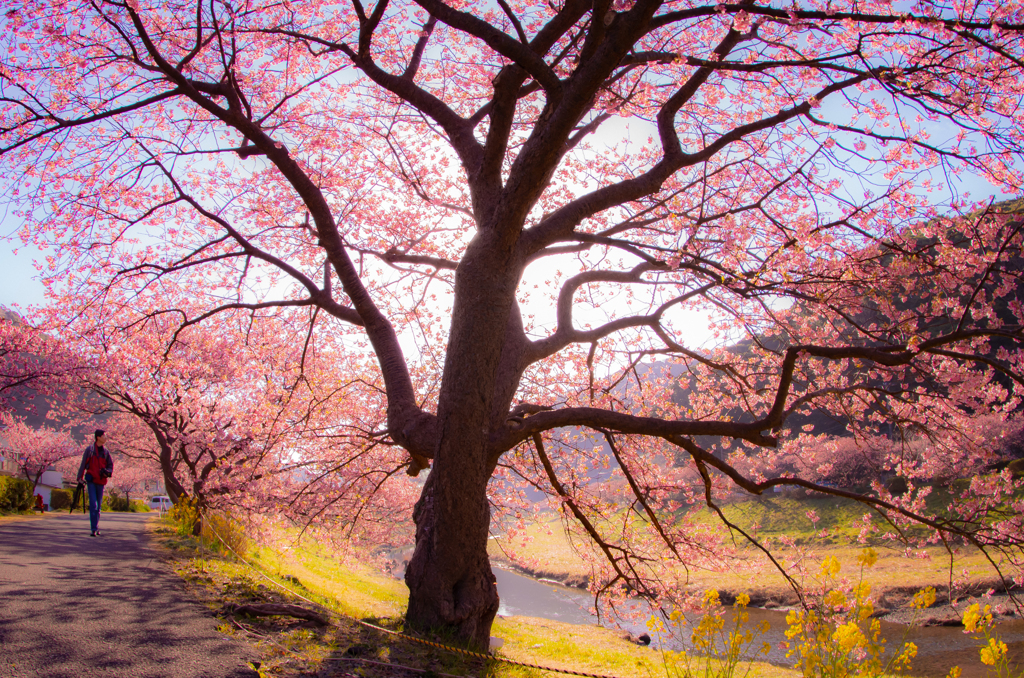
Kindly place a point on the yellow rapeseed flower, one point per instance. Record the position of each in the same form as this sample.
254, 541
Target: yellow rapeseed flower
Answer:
835, 599
924, 598
975, 617
868, 557
905, 657
795, 623
848, 637
993, 652
830, 567
971, 618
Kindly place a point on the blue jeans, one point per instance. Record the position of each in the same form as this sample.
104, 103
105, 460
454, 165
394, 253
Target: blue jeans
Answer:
95, 501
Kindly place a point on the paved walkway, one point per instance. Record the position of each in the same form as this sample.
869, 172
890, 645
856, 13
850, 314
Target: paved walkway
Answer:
75, 606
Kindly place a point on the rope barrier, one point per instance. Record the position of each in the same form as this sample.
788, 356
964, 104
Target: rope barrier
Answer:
397, 634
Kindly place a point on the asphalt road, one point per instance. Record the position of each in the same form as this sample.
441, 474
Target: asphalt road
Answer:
76, 606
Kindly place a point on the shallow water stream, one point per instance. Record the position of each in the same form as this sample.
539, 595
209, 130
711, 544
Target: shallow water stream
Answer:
939, 647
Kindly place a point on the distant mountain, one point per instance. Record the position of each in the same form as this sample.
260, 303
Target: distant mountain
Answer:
820, 422
8, 314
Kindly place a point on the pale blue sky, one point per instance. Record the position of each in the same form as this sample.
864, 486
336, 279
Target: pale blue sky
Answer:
19, 281
20, 285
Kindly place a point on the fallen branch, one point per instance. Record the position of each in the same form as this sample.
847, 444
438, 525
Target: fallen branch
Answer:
272, 609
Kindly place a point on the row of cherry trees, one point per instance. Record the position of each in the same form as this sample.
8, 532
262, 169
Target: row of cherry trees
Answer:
231, 419
475, 236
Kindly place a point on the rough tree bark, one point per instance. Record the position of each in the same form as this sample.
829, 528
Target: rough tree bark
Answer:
450, 581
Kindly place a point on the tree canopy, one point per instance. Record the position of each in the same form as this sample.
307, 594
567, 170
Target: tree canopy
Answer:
503, 220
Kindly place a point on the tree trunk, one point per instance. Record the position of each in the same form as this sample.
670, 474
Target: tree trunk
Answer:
35, 482
452, 589
174, 489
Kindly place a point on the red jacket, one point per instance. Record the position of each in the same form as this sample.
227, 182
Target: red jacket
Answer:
93, 463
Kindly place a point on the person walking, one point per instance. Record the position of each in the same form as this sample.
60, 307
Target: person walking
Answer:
97, 466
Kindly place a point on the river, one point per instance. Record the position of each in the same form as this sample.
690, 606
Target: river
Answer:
939, 647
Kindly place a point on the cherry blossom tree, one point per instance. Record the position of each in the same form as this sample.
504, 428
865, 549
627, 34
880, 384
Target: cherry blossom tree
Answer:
134, 475
511, 214
196, 410
16, 366
37, 450
32, 363
236, 416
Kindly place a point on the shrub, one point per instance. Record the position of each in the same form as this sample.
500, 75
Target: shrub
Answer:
833, 636
184, 515
715, 651
112, 501
220, 526
218, 531
837, 636
60, 499
15, 495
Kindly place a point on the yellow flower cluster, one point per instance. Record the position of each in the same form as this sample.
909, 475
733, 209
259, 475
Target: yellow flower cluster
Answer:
849, 637
868, 557
715, 652
975, 617
994, 652
832, 637
837, 638
924, 598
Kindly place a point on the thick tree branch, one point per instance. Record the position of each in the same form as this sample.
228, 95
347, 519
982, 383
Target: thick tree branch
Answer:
560, 224
402, 405
500, 42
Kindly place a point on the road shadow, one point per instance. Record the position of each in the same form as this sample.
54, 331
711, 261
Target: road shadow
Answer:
76, 605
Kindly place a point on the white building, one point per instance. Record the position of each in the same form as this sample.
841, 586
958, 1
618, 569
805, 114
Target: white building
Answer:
52, 479
8, 465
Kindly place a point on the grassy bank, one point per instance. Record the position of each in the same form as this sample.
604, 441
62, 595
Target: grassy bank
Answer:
900, 572
351, 592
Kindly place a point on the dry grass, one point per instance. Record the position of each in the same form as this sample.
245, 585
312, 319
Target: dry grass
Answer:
544, 551
547, 552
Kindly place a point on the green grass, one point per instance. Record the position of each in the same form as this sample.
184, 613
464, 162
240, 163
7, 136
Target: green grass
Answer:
777, 516
356, 588
353, 590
